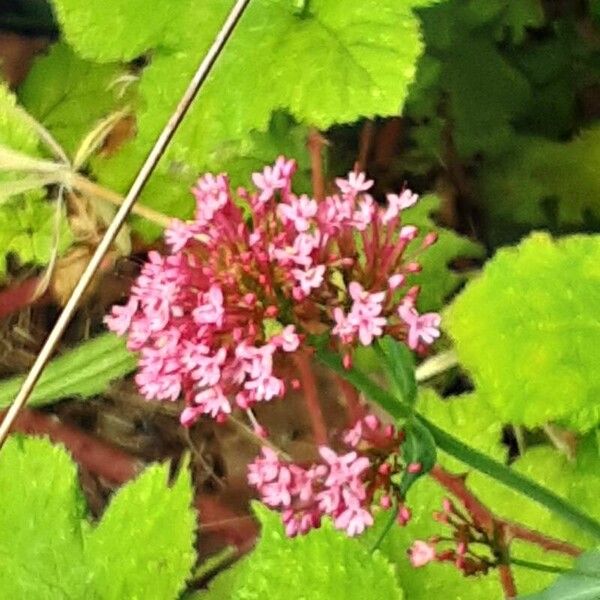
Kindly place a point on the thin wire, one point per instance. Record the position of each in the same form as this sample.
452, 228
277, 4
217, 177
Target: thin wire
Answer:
113, 229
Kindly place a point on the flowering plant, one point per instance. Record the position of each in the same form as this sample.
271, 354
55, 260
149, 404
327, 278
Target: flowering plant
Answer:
263, 277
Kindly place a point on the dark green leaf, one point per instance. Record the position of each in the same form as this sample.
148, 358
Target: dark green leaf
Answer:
399, 365
418, 448
82, 372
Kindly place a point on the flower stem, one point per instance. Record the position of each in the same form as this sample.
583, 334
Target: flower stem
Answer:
544, 568
89, 188
435, 365
485, 519
388, 525
311, 396
507, 580
315, 145
353, 407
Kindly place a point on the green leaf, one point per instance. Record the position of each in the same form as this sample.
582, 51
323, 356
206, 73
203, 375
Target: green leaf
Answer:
167, 191
143, 546
437, 279
153, 557
82, 372
480, 92
333, 66
469, 419
542, 182
324, 565
520, 15
69, 95
16, 131
418, 448
40, 522
583, 583
399, 364
27, 231
240, 158
528, 332
115, 30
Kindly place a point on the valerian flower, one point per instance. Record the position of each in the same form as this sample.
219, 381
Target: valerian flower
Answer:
344, 486
241, 289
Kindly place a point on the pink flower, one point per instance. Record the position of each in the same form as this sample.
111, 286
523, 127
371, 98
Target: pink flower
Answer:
264, 470
120, 318
363, 217
277, 493
354, 184
408, 233
288, 339
423, 328
190, 415
286, 167
343, 469
265, 387
396, 281
300, 252
334, 214
354, 520
365, 312
212, 194
353, 436
269, 181
309, 279
343, 328
178, 234
398, 203
421, 553
197, 314
298, 211
206, 369
213, 401
210, 309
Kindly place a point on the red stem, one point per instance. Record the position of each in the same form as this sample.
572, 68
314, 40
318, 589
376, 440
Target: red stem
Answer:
311, 396
507, 581
315, 145
486, 520
549, 544
365, 143
389, 139
20, 295
106, 461
353, 406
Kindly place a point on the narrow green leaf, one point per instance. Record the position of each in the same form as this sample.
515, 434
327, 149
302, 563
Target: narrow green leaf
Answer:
400, 366
84, 371
418, 448
361, 382
582, 583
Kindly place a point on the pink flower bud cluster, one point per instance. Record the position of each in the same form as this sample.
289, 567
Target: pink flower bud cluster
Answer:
465, 538
241, 288
345, 487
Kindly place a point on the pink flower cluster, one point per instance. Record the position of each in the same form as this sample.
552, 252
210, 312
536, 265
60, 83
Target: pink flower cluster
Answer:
241, 288
334, 488
344, 487
466, 535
